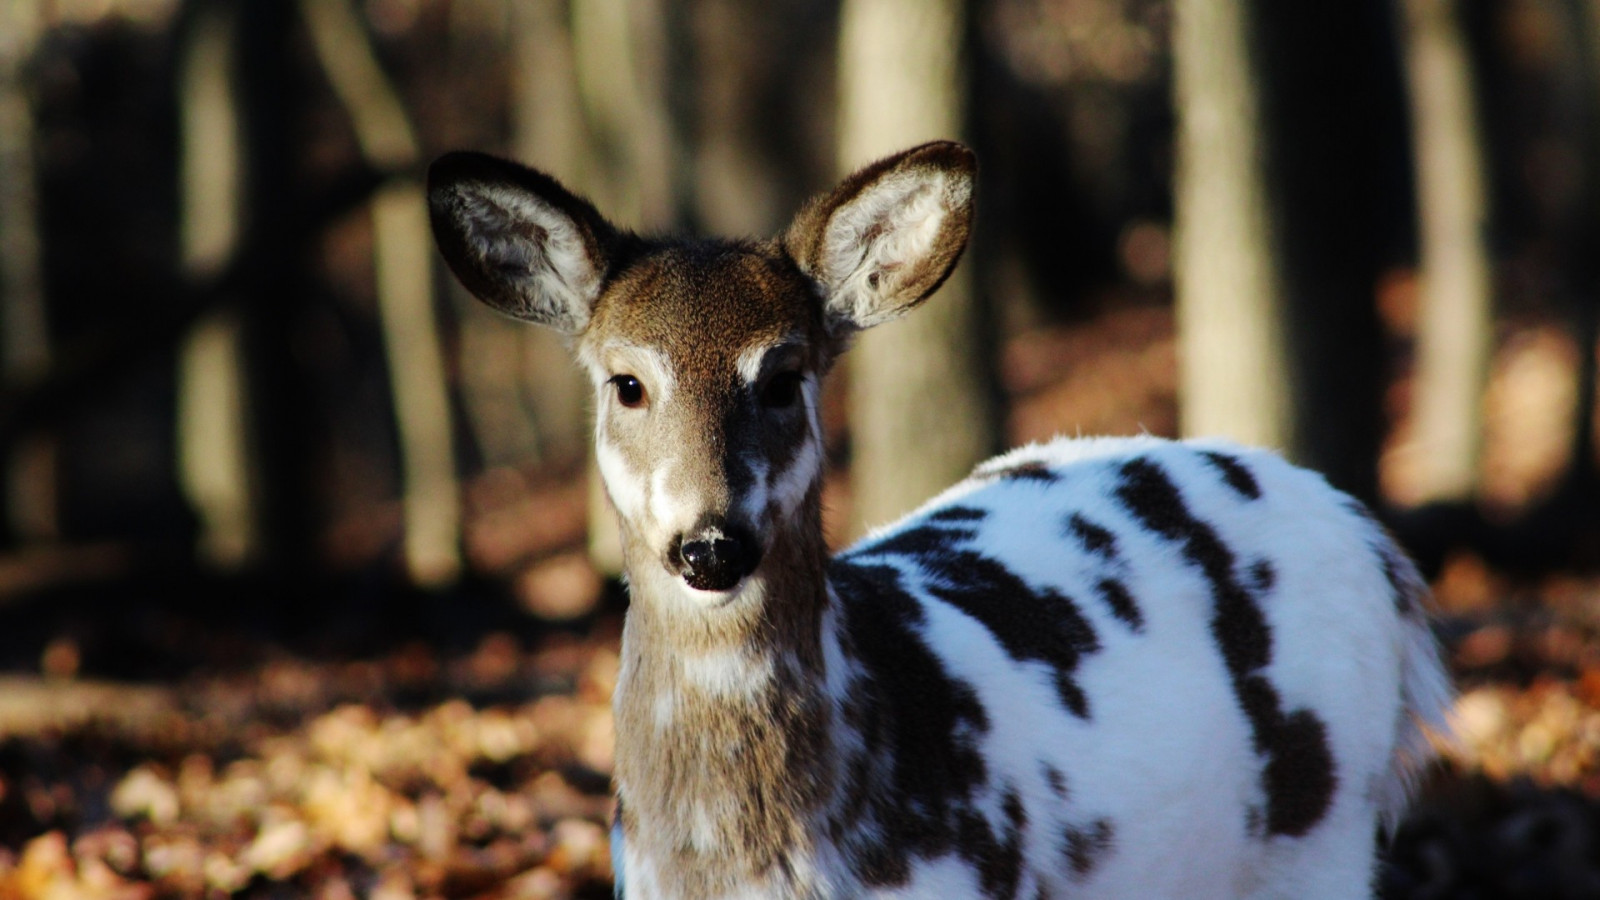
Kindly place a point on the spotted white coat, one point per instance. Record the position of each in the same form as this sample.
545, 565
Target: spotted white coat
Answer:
1096, 668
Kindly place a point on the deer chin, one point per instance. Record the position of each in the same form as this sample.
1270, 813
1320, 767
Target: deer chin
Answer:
715, 595
713, 599
713, 582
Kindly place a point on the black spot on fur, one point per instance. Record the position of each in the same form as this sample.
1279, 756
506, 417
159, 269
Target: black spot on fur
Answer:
1263, 576
1299, 777
1240, 628
1116, 596
1056, 780
910, 793
959, 514
1235, 474
924, 540
1095, 539
1016, 814
1045, 626
1032, 470
1085, 847
998, 858
1031, 625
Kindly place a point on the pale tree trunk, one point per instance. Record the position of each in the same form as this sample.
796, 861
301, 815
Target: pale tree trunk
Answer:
214, 464
1231, 328
922, 409
24, 334
1455, 316
403, 251
620, 51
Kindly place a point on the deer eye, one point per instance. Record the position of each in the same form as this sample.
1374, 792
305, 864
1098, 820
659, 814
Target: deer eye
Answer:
630, 392
781, 390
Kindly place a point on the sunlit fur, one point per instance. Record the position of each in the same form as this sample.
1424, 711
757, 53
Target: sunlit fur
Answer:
1114, 668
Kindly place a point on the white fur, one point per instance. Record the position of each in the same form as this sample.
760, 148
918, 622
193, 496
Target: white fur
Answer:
751, 359
789, 486
628, 489
891, 224
721, 673
1165, 753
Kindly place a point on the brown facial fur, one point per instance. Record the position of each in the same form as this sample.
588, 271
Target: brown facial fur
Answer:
678, 296
700, 306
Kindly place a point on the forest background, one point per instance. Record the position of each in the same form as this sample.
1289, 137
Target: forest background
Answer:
306, 588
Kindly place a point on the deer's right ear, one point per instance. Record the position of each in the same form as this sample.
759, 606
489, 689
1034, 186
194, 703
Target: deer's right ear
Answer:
518, 240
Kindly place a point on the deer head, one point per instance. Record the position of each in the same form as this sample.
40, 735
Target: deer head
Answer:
706, 355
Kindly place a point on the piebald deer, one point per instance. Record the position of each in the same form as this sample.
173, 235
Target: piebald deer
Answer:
1124, 668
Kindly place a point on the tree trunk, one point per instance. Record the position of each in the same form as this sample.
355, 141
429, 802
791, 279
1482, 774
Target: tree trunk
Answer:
1226, 276
24, 331
1455, 325
1283, 178
922, 402
214, 463
402, 251
1581, 226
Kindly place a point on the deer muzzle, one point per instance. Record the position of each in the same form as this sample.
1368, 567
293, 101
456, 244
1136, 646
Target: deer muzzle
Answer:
714, 556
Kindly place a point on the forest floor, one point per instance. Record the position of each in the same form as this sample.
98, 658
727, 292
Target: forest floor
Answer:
168, 739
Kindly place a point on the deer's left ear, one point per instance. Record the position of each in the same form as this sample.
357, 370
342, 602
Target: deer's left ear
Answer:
888, 236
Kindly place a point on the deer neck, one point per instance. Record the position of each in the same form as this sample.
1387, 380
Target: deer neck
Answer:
723, 724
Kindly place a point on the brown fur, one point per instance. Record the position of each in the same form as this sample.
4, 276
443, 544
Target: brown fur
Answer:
761, 760
783, 768
744, 295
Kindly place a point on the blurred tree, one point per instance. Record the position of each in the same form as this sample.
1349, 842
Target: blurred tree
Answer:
1331, 79
1455, 315
24, 335
24, 338
402, 251
923, 405
1581, 234
214, 451
1287, 137
1227, 276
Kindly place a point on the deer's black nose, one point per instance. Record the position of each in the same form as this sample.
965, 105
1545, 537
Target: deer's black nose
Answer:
715, 559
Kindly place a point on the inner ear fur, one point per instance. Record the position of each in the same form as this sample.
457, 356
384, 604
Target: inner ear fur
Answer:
518, 240
885, 239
